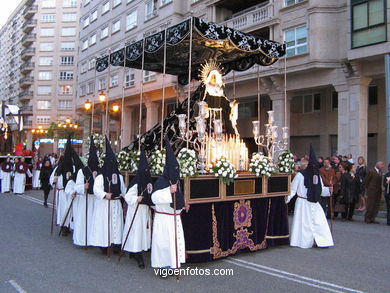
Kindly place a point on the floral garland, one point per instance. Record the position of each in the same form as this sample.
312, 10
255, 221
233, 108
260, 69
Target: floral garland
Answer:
187, 162
157, 162
223, 169
286, 163
261, 166
98, 139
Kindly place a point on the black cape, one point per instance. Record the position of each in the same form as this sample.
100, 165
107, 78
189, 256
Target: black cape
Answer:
312, 179
110, 172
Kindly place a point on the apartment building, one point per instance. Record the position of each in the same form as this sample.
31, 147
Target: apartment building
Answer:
44, 61
335, 67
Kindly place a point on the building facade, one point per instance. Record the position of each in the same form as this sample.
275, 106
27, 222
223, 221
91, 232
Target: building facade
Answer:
45, 61
335, 67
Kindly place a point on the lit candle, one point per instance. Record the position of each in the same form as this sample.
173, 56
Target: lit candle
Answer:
256, 128
271, 117
285, 133
275, 132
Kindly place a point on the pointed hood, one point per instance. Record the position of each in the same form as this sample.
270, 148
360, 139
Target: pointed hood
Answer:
92, 169
143, 179
110, 172
67, 170
312, 179
170, 176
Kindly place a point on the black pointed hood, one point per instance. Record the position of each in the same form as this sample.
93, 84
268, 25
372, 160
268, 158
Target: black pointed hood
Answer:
143, 179
171, 175
312, 179
67, 170
110, 172
92, 169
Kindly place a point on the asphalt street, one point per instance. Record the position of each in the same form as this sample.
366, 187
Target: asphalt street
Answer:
33, 261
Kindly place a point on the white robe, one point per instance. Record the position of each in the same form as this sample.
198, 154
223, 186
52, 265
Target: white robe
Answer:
80, 215
62, 200
163, 244
309, 222
20, 181
36, 183
140, 234
5, 181
69, 190
99, 228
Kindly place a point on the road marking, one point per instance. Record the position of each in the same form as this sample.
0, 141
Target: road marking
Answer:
33, 199
16, 286
291, 277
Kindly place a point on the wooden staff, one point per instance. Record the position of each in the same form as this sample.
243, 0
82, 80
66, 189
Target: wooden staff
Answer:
86, 215
67, 213
331, 206
109, 222
128, 233
176, 250
54, 207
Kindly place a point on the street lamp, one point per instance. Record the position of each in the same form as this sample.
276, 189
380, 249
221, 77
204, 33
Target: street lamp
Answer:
87, 105
115, 108
102, 97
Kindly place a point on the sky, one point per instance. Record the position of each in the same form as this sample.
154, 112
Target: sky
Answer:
7, 7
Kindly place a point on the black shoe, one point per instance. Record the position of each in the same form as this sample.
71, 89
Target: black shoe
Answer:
45, 205
65, 231
140, 260
103, 250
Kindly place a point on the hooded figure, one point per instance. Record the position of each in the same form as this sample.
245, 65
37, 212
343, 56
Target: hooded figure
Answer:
138, 198
107, 218
21, 170
309, 224
44, 177
6, 169
165, 241
85, 199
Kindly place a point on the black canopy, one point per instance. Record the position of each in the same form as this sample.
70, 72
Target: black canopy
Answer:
233, 49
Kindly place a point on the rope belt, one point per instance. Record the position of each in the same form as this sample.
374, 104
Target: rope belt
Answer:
301, 197
169, 214
60, 188
116, 198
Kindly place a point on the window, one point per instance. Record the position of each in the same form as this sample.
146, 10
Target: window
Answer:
44, 90
102, 83
149, 76
335, 101
70, 3
69, 17
92, 40
291, 2
47, 32
84, 45
93, 16
45, 61
68, 46
48, 3
116, 3
368, 22
296, 40
43, 105
48, 17
91, 87
114, 80
67, 60
106, 7
92, 64
372, 95
68, 31
247, 109
129, 78
83, 90
43, 119
104, 33
116, 26
66, 75
65, 104
86, 22
44, 75
131, 20
45, 47
306, 103
66, 90
163, 2
83, 67
150, 9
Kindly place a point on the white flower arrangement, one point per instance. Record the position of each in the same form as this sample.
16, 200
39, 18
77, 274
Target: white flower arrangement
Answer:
223, 169
123, 158
98, 139
261, 166
101, 157
157, 162
187, 162
286, 163
134, 160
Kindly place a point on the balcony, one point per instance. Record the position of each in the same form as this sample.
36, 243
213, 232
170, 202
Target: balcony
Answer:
28, 39
26, 110
29, 25
27, 53
26, 81
27, 67
30, 11
26, 95
250, 17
